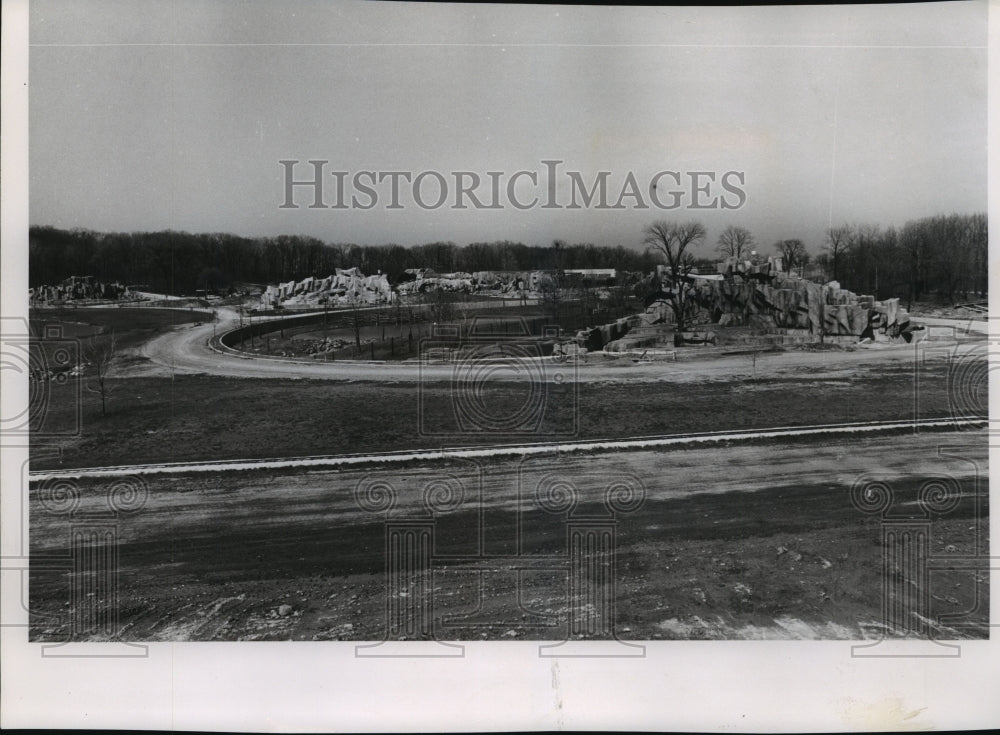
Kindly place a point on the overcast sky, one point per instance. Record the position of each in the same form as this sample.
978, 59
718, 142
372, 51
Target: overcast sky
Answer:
175, 115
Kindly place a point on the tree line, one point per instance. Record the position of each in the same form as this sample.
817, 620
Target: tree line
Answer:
943, 257
181, 262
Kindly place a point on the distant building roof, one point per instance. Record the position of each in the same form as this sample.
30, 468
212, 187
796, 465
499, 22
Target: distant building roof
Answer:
600, 272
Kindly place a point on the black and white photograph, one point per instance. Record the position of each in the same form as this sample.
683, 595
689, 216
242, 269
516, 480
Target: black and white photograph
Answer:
578, 336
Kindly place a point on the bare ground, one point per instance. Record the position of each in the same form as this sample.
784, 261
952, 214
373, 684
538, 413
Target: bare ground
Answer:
754, 541
740, 544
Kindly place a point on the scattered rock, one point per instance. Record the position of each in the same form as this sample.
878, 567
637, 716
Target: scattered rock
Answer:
284, 610
742, 589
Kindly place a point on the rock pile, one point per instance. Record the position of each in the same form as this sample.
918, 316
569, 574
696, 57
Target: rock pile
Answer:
429, 281
488, 283
79, 288
761, 295
347, 286
780, 309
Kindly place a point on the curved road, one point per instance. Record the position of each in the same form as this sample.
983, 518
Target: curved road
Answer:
186, 350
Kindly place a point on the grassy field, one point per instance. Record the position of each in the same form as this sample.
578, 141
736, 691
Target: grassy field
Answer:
131, 326
199, 417
394, 334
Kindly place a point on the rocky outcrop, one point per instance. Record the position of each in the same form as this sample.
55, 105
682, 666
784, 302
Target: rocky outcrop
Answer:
779, 309
79, 288
492, 283
744, 293
347, 286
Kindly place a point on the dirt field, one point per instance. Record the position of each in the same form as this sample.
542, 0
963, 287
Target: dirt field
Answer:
741, 541
746, 544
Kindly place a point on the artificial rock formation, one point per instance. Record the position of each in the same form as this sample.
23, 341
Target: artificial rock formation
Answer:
511, 284
762, 295
347, 286
78, 288
780, 308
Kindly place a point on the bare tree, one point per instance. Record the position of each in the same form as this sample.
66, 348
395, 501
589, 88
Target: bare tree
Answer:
838, 240
588, 300
551, 289
735, 242
100, 354
356, 321
793, 253
441, 305
549, 298
946, 254
978, 233
953, 252
671, 240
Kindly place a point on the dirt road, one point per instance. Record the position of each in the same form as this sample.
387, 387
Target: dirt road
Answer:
746, 544
186, 350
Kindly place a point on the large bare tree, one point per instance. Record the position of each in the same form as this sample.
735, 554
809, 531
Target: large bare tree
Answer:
735, 242
838, 241
793, 253
672, 240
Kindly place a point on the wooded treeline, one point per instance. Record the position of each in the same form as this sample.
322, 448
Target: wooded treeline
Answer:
944, 256
181, 262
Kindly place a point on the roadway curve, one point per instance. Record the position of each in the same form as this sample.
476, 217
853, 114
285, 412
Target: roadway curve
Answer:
186, 350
